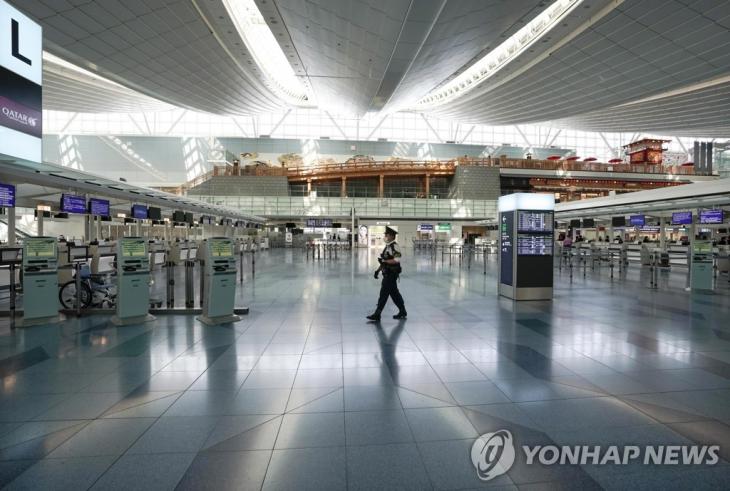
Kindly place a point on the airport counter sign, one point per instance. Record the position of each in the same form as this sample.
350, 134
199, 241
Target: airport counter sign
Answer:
21, 76
443, 227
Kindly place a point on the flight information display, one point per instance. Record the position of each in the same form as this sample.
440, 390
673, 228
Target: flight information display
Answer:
535, 221
139, 212
99, 207
319, 222
711, 216
7, 196
73, 204
534, 245
682, 218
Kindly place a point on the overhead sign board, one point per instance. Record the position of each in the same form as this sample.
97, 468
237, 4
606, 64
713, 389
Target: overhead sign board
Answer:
21, 63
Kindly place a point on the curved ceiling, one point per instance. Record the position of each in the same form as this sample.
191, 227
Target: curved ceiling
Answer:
186, 53
634, 50
68, 88
594, 70
701, 111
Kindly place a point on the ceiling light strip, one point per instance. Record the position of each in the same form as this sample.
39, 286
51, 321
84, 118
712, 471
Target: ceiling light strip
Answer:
266, 51
499, 57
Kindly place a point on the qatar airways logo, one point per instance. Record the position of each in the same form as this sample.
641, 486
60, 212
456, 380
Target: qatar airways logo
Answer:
20, 117
493, 454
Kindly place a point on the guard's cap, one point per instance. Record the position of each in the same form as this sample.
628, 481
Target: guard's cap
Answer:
390, 231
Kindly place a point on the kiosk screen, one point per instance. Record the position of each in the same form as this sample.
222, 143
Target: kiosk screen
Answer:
221, 248
133, 248
41, 248
536, 221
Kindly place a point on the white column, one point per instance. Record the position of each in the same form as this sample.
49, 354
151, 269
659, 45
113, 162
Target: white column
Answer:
40, 223
11, 226
662, 233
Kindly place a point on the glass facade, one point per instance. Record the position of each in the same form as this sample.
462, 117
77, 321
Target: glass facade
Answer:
514, 141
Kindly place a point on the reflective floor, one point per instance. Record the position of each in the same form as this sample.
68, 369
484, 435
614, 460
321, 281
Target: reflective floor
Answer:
303, 394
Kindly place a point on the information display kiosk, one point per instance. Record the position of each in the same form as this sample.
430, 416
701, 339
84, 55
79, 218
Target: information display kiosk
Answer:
702, 263
526, 246
219, 280
40, 281
133, 282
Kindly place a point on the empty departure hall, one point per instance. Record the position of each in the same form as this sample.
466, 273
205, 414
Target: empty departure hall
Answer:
364, 245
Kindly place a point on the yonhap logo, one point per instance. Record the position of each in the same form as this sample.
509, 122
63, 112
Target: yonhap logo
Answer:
493, 454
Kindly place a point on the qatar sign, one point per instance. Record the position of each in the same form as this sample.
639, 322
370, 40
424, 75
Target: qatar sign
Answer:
21, 68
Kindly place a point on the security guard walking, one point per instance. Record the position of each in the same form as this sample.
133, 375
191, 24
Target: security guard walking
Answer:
390, 267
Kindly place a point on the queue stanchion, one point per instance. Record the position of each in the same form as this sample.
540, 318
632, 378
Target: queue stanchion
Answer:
240, 253
201, 281
319, 252
170, 293
610, 263
77, 281
253, 262
13, 294
189, 289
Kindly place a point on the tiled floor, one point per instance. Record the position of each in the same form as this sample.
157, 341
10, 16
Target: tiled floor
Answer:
303, 394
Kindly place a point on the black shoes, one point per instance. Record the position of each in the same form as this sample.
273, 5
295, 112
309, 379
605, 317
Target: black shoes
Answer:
376, 317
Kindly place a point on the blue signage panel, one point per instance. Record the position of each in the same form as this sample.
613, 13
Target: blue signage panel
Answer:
73, 204
139, 212
637, 220
7, 196
682, 218
99, 207
425, 227
711, 216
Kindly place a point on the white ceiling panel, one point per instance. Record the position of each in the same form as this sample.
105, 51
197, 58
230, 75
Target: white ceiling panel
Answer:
68, 89
631, 53
185, 53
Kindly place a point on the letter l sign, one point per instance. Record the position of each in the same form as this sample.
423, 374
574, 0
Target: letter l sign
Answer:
15, 43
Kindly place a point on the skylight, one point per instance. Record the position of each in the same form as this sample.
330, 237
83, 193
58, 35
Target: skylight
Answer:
266, 51
499, 57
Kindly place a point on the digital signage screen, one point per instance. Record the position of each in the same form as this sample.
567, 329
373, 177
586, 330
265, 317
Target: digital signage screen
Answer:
139, 212
154, 213
7, 196
506, 245
178, 216
535, 221
709, 217
589, 223
682, 218
73, 204
534, 245
319, 222
189, 218
618, 221
637, 220
99, 207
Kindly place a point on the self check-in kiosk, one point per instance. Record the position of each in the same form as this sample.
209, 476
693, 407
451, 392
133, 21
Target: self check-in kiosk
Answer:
526, 246
702, 265
40, 281
217, 255
133, 280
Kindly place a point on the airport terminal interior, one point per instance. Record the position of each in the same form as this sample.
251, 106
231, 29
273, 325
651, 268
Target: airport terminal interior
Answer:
364, 244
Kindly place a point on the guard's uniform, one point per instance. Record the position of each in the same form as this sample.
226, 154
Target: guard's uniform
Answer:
389, 286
